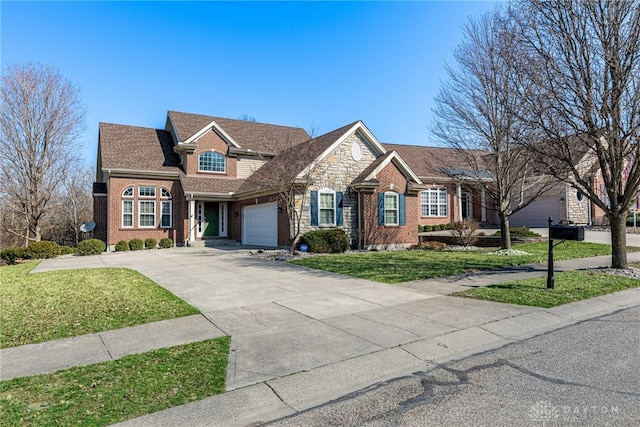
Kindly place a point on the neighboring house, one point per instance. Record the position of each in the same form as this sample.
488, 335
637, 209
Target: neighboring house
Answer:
204, 177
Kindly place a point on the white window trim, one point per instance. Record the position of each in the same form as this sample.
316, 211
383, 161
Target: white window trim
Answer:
146, 196
428, 205
162, 196
209, 171
127, 195
396, 209
170, 213
123, 214
146, 214
320, 208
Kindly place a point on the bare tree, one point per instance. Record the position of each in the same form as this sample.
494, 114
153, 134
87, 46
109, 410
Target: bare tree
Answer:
582, 58
478, 112
40, 119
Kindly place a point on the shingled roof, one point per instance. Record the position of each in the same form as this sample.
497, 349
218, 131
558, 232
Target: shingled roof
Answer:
435, 162
196, 184
137, 148
259, 137
285, 167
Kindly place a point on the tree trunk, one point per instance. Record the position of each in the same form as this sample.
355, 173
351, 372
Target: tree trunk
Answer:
618, 240
505, 232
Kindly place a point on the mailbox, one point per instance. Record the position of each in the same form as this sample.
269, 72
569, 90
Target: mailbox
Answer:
566, 232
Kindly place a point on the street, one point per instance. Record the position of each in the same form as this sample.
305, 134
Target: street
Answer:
583, 375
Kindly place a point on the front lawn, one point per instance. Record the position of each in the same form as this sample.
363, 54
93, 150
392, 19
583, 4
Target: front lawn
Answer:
569, 286
117, 390
405, 266
60, 304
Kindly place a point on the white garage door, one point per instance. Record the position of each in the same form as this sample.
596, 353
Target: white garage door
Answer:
536, 215
260, 225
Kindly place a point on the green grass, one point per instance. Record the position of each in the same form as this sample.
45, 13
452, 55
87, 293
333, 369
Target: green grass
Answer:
569, 286
117, 390
59, 304
404, 266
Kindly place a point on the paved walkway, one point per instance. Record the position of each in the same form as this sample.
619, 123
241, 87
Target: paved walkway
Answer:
302, 337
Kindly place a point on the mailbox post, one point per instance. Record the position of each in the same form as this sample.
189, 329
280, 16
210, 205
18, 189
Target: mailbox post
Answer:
563, 232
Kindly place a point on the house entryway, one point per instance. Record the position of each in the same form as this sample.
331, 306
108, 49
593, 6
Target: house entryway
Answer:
467, 205
212, 219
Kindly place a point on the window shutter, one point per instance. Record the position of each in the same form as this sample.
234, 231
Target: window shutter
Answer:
339, 219
380, 208
402, 209
314, 208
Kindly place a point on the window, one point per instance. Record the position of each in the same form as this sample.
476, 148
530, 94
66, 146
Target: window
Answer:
127, 213
165, 218
128, 192
147, 213
327, 207
212, 162
146, 191
165, 194
391, 208
433, 202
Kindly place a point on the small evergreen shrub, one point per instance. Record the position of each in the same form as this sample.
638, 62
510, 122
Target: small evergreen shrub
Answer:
43, 250
150, 243
67, 250
166, 243
519, 232
331, 241
13, 255
122, 246
91, 247
427, 228
136, 244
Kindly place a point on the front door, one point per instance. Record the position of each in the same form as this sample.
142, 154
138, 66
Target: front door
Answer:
212, 219
467, 205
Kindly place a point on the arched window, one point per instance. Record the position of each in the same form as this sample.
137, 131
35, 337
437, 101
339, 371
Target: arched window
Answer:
211, 161
127, 207
165, 208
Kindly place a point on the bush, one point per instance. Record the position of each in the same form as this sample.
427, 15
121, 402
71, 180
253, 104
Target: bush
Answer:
67, 250
136, 244
12, 255
122, 246
519, 232
91, 247
432, 246
43, 250
332, 241
464, 231
150, 243
166, 243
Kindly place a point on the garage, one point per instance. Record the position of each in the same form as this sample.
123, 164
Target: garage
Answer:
536, 215
260, 225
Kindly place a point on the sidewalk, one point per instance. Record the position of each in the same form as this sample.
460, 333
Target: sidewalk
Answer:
281, 363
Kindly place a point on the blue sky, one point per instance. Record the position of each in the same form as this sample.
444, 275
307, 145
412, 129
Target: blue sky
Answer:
324, 64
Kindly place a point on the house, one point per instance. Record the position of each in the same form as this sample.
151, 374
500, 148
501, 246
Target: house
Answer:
211, 178
204, 177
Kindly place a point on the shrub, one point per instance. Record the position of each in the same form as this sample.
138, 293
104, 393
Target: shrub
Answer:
136, 244
519, 232
43, 250
67, 250
166, 243
12, 255
150, 243
432, 246
334, 240
122, 246
91, 247
464, 231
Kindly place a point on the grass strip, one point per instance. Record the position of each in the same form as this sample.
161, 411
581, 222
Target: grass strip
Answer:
117, 390
405, 266
570, 286
60, 304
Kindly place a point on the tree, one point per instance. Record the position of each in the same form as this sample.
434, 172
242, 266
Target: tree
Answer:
478, 113
582, 59
41, 117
